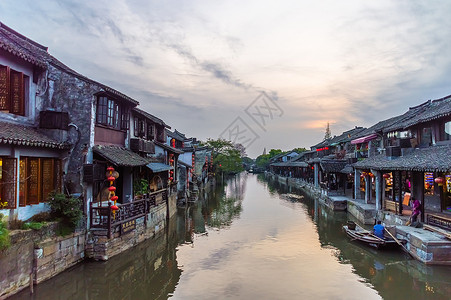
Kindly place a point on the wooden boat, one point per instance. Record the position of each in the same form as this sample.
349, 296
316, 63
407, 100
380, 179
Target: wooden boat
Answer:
367, 237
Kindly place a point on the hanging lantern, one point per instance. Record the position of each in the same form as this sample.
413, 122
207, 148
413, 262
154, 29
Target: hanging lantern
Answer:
110, 169
112, 188
439, 180
114, 198
114, 208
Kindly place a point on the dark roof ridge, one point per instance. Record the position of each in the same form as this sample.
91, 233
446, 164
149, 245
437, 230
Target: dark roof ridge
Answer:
12, 31
441, 99
420, 105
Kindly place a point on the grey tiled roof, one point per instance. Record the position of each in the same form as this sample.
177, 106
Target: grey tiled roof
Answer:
20, 46
176, 135
121, 156
332, 165
16, 134
150, 117
346, 136
169, 148
432, 159
34, 53
425, 112
291, 164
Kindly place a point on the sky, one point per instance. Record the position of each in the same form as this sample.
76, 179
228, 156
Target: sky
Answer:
268, 74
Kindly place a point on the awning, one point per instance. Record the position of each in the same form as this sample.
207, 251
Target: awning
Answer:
364, 139
120, 156
159, 167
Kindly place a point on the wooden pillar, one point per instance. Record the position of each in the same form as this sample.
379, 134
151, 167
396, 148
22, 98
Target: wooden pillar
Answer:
378, 177
316, 175
356, 184
367, 189
399, 192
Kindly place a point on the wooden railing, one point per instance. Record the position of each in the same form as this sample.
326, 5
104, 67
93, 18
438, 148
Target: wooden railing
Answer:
102, 217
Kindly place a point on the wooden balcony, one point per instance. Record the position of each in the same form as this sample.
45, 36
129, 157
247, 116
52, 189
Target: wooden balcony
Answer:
102, 217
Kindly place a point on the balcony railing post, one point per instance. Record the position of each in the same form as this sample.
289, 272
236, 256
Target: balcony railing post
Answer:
109, 220
90, 214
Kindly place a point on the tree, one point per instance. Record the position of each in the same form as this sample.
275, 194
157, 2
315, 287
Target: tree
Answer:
327, 135
299, 150
262, 161
226, 156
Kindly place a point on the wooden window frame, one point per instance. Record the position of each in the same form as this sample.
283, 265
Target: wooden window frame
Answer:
112, 113
41, 179
12, 90
8, 201
102, 107
150, 131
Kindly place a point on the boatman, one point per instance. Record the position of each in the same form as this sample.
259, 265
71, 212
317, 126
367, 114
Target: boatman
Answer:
378, 230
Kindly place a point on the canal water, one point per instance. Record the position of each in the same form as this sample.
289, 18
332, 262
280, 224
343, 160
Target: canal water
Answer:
247, 240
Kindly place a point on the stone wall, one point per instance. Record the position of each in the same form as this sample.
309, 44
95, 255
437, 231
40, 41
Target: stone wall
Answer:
52, 256
75, 95
20, 265
100, 247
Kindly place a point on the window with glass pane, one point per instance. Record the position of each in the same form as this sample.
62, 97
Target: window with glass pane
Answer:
447, 131
102, 107
426, 136
38, 178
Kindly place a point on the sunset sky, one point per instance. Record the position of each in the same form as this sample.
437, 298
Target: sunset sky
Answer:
199, 64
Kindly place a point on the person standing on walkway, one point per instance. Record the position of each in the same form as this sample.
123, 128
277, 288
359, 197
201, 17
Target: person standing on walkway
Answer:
416, 209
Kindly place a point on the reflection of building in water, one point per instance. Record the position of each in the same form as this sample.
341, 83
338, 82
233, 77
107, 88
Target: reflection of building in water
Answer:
391, 273
147, 271
236, 186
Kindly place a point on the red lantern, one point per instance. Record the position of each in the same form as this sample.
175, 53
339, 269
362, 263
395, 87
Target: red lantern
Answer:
386, 175
439, 180
114, 207
112, 188
114, 198
171, 178
111, 169
111, 178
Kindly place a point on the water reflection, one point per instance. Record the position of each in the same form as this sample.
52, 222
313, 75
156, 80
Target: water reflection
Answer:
392, 273
244, 241
147, 271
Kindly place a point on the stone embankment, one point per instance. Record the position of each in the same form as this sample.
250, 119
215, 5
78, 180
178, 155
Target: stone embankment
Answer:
37, 255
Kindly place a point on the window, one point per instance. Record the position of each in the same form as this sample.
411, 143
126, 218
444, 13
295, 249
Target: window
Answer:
12, 91
111, 113
150, 131
38, 178
446, 131
8, 181
426, 136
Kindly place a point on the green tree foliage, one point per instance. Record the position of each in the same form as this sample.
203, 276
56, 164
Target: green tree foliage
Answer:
66, 208
262, 161
226, 156
4, 234
299, 150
